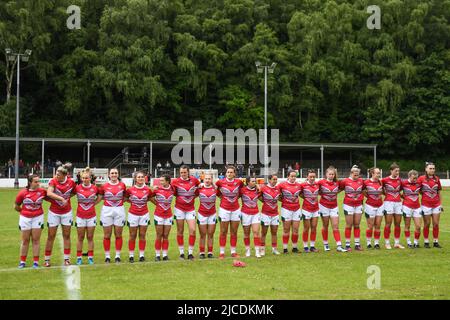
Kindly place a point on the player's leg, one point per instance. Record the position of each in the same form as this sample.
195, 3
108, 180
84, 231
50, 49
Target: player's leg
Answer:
180, 235
211, 230
370, 220
357, 216
223, 236
264, 229
36, 241
107, 232
234, 227
132, 241
313, 233
165, 238
246, 229
397, 226
256, 223
305, 235
287, 224
118, 231
325, 223
26, 236
348, 229
66, 240
426, 230
417, 229
336, 232
159, 230
435, 219
203, 230
142, 229
90, 239
407, 220
274, 233
190, 220
81, 232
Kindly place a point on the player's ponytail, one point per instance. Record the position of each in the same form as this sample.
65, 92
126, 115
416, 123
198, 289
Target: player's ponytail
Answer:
64, 169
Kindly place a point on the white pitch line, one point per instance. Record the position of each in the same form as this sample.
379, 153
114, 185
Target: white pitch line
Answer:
71, 274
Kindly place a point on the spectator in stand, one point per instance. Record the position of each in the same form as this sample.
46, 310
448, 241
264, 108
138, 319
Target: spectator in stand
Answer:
159, 166
21, 166
252, 169
297, 166
37, 168
167, 165
240, 169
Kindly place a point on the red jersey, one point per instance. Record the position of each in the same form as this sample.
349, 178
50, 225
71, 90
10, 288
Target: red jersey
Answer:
411, 192
249, 199
229, 190
65, 190
207, 196
328, 191
290, 193
374, 193
138, 197
185, 191
86, 197
311, 195
430, 188
31, 201
270, 197
163, 198
392, 189
353, 191
113, 194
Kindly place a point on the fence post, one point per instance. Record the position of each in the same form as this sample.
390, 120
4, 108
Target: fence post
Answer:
174, 172
448, 175
283, 172
9, 172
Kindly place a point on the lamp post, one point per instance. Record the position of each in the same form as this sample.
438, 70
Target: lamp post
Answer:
266, 69
12, 56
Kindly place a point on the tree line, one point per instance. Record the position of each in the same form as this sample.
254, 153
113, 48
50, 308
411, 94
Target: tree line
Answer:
141, 68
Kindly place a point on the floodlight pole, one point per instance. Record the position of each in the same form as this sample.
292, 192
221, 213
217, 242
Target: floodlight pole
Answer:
11, 56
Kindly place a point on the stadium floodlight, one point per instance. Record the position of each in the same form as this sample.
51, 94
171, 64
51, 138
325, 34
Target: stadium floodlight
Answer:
12, 57
266, 69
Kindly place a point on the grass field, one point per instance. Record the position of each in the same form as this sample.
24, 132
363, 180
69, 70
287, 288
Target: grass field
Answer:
405, 274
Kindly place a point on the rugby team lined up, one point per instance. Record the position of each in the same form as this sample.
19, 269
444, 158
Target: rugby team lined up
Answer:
390, 199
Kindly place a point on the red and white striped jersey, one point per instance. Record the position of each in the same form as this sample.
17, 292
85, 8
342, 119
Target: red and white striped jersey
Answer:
353, 191
86, 196
229, 191
374, 192
270, 197
430, 188
290, 195
138, 197
113, 194
411, 192
185, 192
311, 196
31, 201
249, 198
163, 198
392, 188
207, 197
328, 191
63, 189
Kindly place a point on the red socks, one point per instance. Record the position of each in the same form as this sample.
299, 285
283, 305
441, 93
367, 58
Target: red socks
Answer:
348, 233
426, 232
257, 241
131, 245
407, 233
313, 235
180, 240
294, 238
158, 245
142, 244
286, 239
247, 242
222, 241
305, 236
233, 241
79, 253
436, 232
106, 244
357, 232
387, 232
325, 235
397, 232
369, 233
336, 235
191, 241
377, 234
417, 235
119, 243
165, 244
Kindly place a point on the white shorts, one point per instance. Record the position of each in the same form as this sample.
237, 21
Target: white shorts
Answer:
372, 212
86, 223
54, 220
308, 215
225, 215
327, 212
352, 210
163, 221
269, 220
112, 216
203, 220
391, 207
135, 220
289, 215
429, 211
184, 215
249, 219
31, 223
408, 212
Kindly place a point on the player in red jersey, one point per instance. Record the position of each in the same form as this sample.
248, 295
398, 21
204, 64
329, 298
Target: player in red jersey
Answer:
328, 208
60, 212
138, 217
31, 222
162, 198
290, 210
373, 191
270, 194
353, 187
113, 213
310, 211
431, 203
250, 215
229, 213
185, 191
411, 207
393, 206
207, 215
86, 215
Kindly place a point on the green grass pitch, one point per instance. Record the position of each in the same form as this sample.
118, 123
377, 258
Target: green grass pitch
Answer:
405, 274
